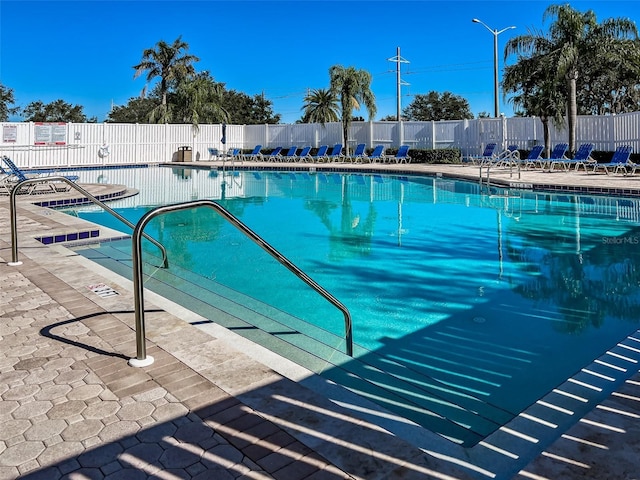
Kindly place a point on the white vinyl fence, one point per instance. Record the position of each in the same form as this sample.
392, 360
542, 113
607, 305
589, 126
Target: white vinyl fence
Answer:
38, 145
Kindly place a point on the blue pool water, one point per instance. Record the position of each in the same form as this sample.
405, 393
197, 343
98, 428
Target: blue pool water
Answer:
467, 303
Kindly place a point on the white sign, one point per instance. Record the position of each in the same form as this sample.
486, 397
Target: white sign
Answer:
9, 133
50, 133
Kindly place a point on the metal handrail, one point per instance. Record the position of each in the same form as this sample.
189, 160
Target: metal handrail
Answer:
510, 173
141, 358
14, 227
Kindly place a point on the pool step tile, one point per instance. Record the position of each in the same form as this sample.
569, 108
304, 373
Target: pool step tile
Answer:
68, 237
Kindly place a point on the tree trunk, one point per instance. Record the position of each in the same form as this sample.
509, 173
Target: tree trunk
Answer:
345, 138
546, 135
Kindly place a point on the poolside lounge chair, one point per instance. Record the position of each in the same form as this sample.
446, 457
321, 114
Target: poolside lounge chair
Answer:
558, 153
254, 155
320, 154
402, 156
336, 153
273, 156
619, 161
358, 153
487, 154
6, 179
377, 155
290, 156
532, 158
304, 153
15, 175
234, 154
581, 158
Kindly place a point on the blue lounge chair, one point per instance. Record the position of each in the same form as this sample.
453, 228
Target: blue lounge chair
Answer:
254, 155
304, 153
15, 175
558, 153
274, 156
581, 158
336, 153
358, 153
533, 157
619, 161
402, 156
290, 156
487, 154
320, 154
377, 155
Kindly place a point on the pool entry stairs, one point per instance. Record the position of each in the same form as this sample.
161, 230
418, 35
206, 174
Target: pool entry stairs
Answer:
434, 401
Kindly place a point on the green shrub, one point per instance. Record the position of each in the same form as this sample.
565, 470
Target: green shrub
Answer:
440, 155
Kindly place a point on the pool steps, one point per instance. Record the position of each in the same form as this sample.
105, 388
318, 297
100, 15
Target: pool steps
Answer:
462, 418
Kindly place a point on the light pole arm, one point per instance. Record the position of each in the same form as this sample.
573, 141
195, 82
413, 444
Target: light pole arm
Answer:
495, 33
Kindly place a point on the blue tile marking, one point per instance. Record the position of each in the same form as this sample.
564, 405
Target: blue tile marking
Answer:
69, 237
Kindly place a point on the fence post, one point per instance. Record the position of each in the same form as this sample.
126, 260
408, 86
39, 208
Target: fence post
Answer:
612, 129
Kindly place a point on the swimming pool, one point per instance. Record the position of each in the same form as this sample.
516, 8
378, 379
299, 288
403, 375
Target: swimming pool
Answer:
468, 306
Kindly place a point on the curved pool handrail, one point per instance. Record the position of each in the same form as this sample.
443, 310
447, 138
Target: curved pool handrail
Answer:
141, 354
14, 227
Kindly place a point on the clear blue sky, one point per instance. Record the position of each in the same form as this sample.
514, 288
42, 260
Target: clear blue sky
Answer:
83, 51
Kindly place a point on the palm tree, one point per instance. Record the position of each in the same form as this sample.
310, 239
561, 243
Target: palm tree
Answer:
199, 99
170, 64
320, 106
353, 87
573, 36
537, 92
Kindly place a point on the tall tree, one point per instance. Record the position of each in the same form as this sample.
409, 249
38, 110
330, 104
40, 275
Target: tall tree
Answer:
320, 106
353, 88
169, 62
137, 110
436, 106
573, 36
199, 99
261, 110
57, 111
538, 92
610, 82
7, 99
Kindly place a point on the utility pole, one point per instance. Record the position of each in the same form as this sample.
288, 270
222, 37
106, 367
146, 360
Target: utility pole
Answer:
398, 60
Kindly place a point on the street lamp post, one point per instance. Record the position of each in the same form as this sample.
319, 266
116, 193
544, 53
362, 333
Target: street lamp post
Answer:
495, 62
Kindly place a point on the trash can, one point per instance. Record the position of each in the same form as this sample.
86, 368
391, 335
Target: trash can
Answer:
184, 154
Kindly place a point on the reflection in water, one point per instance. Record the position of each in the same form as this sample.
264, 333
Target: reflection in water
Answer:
583, 266
353, 235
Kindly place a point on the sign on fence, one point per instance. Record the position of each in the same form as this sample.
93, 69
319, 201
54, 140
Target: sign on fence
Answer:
50, 133
9, 133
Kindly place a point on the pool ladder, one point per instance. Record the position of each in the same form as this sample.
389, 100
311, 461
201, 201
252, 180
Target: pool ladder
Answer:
142, 359
14, 224
488, 180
